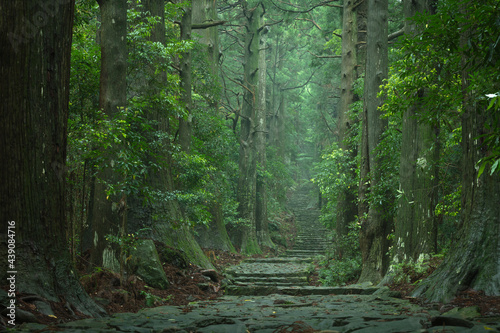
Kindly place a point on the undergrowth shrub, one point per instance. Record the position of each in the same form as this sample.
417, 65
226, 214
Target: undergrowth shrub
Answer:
343, 263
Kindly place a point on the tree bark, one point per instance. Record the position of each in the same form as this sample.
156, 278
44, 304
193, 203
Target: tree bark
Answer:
246, 192
108, 211
261, 222
185, 124
354, 18
35, 69
164, 216
416, 225
204, 11
474, 258
375, 226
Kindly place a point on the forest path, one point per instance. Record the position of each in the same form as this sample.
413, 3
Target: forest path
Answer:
311, 238
272, 295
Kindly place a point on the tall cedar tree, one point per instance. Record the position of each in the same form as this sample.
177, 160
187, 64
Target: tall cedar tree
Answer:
474, 258
415, 226
204, 13
247, 159
108, 214
353, 58
374, 220
35, 69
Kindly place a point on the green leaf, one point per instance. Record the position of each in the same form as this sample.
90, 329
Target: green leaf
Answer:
481, 169
494, 166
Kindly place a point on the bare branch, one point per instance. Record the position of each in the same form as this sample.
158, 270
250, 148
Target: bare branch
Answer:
302, 85
325, 57
396, 34
323, 3
207, 25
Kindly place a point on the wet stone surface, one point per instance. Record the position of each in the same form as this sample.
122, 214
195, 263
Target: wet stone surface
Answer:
276, 313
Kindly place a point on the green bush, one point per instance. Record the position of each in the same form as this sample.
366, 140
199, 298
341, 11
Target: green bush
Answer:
340, 272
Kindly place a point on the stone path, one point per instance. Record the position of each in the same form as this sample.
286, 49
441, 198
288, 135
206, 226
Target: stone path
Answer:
279, 314
311, 239
289, 274
272, 295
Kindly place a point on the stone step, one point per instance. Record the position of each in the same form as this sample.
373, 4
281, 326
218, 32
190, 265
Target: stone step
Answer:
282, 260
304, 253
311, 244
256, 290
309, 241
272, 280
256, 269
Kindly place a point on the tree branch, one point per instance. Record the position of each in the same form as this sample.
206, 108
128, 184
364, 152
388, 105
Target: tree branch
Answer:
207, 25
302, 85
325, 57
396, 34
323, 3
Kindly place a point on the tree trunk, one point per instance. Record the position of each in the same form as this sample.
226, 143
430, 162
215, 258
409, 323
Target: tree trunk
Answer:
246, 233
276, 119
376, 226
261, 222
416, 225
474, 258
185, 124
169, 227
35, 69
205, 11
109, 210
164, 216
215, 236
352, 62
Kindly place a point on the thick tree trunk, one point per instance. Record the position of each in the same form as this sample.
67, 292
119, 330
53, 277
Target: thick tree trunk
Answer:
474, 259
109, 210
246, 233
261, 222
164, 217
352, 63
215, 236
35, 69
204, 11
416, 225
169, 226
376, 226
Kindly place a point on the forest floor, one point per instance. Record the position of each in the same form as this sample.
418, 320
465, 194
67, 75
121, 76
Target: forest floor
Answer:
189, 285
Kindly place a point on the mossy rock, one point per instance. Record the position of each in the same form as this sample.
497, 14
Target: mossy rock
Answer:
172, 256
148, 265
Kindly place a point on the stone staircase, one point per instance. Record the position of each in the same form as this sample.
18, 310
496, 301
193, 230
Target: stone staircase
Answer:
289, 274
311, 238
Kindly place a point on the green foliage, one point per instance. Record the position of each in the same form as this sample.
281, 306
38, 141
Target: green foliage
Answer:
344, 264
492, 138
334, 176
412, 272
153, 300
334, 44
388, 153
340, 272
130, 241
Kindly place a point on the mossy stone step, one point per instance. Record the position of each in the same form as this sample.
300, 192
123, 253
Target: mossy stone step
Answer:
256, 290
272, 280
